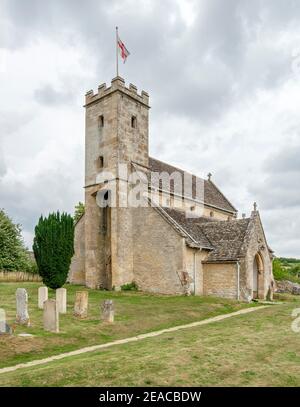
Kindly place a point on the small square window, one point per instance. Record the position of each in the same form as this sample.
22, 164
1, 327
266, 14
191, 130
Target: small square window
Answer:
133, 122
101, 121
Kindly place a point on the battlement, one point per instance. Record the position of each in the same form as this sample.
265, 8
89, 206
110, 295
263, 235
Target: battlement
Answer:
117, 85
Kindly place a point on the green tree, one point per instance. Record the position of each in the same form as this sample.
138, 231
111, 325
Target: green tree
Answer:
13, 256
278, 272
53, 248
79, 211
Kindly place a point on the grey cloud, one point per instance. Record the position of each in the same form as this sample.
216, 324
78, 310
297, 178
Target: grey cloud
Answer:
279, 187
3, 168
49, 190
194, 71
287, 160
48, 95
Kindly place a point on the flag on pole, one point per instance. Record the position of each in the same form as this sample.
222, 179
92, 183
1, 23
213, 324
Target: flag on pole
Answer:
122, 49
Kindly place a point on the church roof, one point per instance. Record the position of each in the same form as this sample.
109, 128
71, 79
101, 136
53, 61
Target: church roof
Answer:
212, 195
224, 239
227, 238
191, 227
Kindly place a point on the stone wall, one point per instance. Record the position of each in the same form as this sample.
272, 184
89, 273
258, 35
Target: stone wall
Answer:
255, 244
220, 280
194, 267
158, 253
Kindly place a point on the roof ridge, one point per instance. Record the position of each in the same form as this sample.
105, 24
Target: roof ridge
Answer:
222, 203
222, 194
176, 168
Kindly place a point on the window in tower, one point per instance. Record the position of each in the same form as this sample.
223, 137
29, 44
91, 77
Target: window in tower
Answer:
133, 122
101, 121
101, 161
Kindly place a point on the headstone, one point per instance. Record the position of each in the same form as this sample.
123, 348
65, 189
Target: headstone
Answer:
4, 327
22, 316
43, 296
2, 321
61, 300
51, 316
81, 304
108, 311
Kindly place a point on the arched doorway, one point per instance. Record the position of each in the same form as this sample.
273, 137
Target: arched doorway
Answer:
257, 277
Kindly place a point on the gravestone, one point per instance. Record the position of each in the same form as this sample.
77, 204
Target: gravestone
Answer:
81, 304
108, 311
22, 316
2, 321
4, 327
51, 316
61, 300
43, 296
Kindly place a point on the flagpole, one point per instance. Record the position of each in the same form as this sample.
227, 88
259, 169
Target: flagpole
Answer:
117, 56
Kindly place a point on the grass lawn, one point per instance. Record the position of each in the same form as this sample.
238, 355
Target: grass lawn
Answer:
135, 313
257, 349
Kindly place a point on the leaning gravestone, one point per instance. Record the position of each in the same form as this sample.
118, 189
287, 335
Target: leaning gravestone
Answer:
22, 316
61, 300
108, 311
4, 327
51, 316
81, 304
43, 296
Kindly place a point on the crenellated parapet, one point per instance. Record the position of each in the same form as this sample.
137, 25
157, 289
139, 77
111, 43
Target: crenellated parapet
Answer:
117, 85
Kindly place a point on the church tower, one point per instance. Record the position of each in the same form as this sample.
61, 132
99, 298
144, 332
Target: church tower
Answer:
116, 133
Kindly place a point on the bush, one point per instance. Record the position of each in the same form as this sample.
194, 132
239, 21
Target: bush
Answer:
53, 248
129, 287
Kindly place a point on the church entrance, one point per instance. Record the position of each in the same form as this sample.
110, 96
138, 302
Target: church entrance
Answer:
258, 272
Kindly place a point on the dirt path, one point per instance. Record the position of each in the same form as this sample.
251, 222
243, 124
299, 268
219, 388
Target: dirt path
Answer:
127, 340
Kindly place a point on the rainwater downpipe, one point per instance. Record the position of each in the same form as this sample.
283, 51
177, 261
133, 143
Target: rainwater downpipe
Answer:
238, 279
195, 272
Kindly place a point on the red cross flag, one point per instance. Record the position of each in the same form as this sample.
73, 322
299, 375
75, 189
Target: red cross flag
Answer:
122, 49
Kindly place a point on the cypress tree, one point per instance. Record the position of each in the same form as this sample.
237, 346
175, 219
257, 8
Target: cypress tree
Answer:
53, 248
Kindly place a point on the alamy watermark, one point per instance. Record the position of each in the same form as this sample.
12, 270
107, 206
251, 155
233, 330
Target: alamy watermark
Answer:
133, 189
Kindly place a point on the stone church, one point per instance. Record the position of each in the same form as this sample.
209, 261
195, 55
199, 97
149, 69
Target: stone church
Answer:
178, 242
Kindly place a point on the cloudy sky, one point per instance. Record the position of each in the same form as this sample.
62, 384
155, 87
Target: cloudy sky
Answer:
224, 82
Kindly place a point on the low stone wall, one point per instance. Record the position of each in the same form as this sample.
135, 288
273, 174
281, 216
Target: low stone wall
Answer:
16, 276
285, 286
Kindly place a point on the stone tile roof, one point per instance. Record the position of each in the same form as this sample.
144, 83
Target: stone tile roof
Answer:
224, 239
212, 195
192, 227
227, 238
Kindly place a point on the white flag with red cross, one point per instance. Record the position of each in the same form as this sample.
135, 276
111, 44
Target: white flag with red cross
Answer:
122, 49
